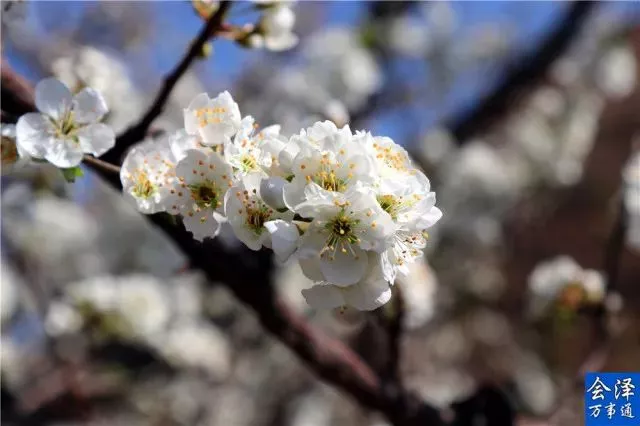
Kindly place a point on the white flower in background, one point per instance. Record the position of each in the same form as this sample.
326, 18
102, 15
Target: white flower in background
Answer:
419, 289
13, 156
62, 318
338, 63
368, 293
143, 303
344, 227
196, 345
631, 176
104, 71
215, 120
9, 288
255, 223
67, 126
198, 192
562, 281
276, 27
133, 306
616, 72
147, 174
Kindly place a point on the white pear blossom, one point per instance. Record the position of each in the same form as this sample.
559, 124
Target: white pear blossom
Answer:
147, 175
367, 294
561, 280
198, 192
276, 27
13, 156
215, 120
344, 227
255, 223
67, 126
411, 205
329, 159
247, 152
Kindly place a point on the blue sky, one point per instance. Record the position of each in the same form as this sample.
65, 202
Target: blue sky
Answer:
176, 25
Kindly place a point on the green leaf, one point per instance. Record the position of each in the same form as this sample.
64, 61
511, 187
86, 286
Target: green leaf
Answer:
72, 173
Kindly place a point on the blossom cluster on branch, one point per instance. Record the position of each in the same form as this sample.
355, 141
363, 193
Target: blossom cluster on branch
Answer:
349, 207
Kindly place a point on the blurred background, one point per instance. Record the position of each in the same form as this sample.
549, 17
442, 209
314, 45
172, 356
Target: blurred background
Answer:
525, 117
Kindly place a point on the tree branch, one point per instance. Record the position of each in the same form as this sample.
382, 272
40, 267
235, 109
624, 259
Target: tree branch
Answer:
138, 131
614, 247
244, 274
527, 71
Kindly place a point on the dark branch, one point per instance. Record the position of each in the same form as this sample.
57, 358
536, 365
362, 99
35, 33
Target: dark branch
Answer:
524, 74
615, 245
138, 131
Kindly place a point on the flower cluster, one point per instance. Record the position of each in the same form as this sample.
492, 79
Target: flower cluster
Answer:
349, 207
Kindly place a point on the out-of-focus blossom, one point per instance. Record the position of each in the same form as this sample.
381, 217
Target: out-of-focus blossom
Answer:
14, 12
88, 66
563, 283
419, 288
343, 68
196, 345
616, 72
13, 155
9, 291
67, 126
276, 27
631, 177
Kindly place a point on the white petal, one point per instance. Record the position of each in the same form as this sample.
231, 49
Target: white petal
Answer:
430, 218
96, 138
202, 225
53, 98
323, 296
284, 238
311, 268
190, 119
89, 106
367, 295
32, 134
215, 133
272, 192
63, 153
344, 269
281, 42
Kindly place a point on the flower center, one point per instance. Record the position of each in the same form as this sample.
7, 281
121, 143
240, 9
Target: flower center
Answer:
342, 233
390, 204
572, 295
257, 214
9, 151
205, 194
248, 163
143, 187
66, 126
327, 178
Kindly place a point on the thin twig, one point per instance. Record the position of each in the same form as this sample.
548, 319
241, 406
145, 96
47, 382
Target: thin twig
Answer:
100, 164
138, 131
